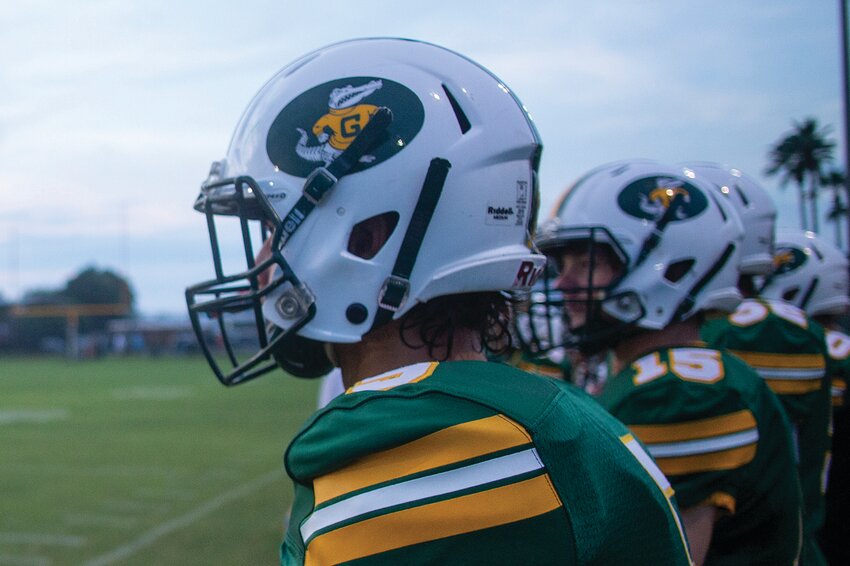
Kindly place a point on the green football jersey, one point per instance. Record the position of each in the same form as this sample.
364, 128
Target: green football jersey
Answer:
722, 438
474, 463
788, 349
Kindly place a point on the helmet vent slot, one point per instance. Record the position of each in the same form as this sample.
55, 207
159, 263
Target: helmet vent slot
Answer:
790, 294
743, 196
369, 236
462, 120
675, 271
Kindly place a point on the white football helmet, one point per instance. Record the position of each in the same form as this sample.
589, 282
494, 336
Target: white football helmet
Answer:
368, 128
810, 273
753, 205
677, 241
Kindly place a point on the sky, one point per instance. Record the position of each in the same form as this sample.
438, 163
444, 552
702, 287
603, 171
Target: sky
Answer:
111, 111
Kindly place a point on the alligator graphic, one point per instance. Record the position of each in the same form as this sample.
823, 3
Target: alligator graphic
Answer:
783, 260
336, 129
660, 199
348, 96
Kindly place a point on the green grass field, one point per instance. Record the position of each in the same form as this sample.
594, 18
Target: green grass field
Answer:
142, 461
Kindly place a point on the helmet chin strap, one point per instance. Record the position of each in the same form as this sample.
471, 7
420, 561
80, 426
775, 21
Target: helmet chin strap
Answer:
689, 301
393, 293
297, 355
654, 238
322, 179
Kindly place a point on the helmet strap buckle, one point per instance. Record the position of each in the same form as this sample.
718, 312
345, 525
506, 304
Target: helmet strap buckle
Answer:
393, 293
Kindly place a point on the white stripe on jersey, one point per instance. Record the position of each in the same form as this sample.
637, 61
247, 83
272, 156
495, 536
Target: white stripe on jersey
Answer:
704, 445
410, 491
777, 373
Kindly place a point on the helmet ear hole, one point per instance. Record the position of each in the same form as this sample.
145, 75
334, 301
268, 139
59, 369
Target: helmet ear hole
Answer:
790, 294
677, 270
369, 236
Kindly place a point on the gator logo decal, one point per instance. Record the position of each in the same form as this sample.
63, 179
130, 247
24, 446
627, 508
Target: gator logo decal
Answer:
650, 197
788, 259
319, 124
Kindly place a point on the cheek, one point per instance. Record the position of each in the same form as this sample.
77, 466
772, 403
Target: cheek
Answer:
603, 276
570, 278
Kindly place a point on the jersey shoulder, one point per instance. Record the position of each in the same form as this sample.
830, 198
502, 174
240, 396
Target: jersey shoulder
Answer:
469, 441
787, 348
707, 375
697, 409
764, 325
721, 437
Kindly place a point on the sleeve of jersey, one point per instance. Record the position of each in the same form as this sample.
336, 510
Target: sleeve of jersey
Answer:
620, 504
702, 438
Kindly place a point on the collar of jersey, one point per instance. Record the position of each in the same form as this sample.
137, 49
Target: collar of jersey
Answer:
394, 378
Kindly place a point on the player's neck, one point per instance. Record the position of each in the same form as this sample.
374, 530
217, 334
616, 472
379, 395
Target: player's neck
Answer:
383, 350
675, 334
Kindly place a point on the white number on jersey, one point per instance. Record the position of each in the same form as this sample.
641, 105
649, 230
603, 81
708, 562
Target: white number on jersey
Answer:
690, 364
751, 312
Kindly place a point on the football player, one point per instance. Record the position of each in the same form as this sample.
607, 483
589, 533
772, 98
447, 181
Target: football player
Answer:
784, 345
811, 273
390, 253
642, 250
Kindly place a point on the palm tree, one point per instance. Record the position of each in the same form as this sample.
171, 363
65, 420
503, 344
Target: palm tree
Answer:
835, 181
801, 155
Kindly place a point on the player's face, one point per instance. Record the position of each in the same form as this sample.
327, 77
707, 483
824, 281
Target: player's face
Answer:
583, 275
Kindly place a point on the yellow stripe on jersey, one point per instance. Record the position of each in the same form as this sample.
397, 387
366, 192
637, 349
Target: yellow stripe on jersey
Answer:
793, 386
715, 461
448, 446
694, 430
778, 360
839, 387
476, 511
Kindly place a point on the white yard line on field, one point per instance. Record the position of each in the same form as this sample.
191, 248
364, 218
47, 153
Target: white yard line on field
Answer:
94, 471
136, 506
164, 393
101, 520
38, 416
45, 539
185, 520
18, 560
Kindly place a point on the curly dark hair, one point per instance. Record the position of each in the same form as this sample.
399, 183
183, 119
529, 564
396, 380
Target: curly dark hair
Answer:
432, 325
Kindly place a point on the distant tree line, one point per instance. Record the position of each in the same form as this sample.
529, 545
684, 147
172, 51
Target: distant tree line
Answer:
24, 332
